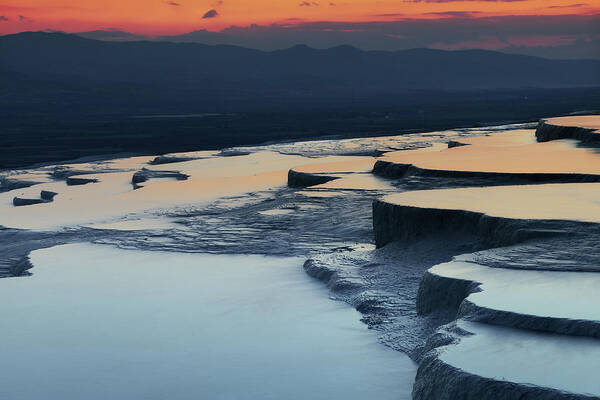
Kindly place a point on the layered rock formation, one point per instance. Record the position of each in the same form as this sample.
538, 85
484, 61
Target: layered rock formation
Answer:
388, 169
525, 311
585, 129
536, 298
517, 294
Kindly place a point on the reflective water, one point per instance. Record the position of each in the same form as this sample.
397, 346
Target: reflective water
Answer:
570, 295
97, 322
510, 152
568, 201
560, 362
586, 121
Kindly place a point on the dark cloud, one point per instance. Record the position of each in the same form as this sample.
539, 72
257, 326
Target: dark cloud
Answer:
210, 14
24, 19
442, 14
172, 3
308, 4
3, 18
454, 14
569, 6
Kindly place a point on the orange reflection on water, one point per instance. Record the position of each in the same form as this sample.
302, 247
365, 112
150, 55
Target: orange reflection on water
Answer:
573, 201
511, 152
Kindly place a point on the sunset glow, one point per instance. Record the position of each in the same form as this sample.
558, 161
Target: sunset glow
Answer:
160, 17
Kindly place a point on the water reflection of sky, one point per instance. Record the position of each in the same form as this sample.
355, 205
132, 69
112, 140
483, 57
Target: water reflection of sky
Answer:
560, 362
212, 175
96, 322
566, 201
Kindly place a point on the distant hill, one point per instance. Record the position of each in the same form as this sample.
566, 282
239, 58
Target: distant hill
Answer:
235, 71
64, 96
112, 35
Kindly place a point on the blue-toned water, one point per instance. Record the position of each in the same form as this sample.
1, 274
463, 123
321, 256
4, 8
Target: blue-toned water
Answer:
98, 322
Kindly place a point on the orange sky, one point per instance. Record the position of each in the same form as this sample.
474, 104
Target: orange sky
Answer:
179, 16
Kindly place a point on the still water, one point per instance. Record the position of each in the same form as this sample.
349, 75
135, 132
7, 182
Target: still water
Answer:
98, 322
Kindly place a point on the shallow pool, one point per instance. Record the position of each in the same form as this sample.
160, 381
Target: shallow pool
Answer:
97, 322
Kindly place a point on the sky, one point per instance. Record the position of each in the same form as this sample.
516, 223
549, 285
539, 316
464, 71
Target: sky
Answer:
448, 24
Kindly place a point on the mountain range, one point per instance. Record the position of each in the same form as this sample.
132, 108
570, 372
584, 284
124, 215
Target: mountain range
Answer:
258, 38
215, 68
65, 96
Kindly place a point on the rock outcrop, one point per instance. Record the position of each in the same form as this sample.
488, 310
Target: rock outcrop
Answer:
394, 222
145, 174
45, 197
564, 326
159, 160
454, 143
64, 171
388, 169
19, 202
547, 131
74, 181
440, 381
305, 179
21, 267
7, 184
438, 293
448, 295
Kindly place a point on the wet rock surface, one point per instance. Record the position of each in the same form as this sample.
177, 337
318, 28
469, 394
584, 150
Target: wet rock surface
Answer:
159, 160
76, 181
371, 254
146, 174
439, 379
393, 222
64, 172
547, 246
393, 170
454, 143
383, 285
7, 184
305, 179
46, 196
539, 250
19, 201
548, 130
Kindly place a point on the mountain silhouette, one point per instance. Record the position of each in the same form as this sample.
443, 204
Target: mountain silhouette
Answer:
64, 96
213, 70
